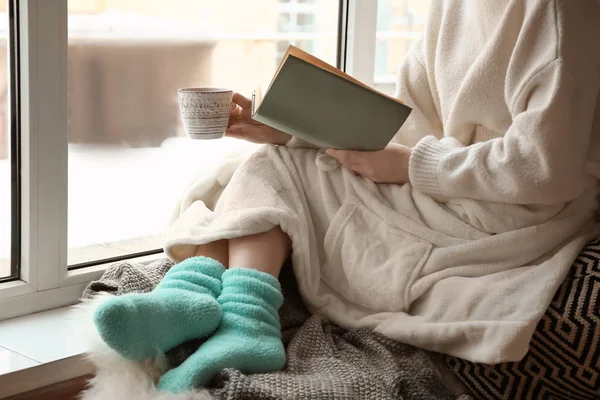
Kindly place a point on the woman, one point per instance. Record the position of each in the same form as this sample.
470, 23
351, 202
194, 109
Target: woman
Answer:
454, 238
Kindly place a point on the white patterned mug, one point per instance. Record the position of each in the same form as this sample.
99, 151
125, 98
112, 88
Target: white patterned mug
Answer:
205, 111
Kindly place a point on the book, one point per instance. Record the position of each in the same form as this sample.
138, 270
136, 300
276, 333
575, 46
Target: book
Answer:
322, 105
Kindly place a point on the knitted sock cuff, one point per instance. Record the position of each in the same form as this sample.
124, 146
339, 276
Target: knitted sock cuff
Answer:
196, 271
254, 283
206, 265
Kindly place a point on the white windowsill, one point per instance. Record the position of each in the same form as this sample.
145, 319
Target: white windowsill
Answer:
38, 350
44, 348
19, 299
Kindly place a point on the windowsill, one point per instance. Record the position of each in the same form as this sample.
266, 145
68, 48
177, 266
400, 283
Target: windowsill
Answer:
17, 298
38, 350
41, 349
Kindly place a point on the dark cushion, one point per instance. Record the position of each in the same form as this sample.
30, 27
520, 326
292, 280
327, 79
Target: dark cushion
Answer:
563, 361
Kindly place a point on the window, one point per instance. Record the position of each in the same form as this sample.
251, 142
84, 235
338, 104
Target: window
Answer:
285, 20
399, 23
305, 21
300, 16
93, 156
129, 158
8, 166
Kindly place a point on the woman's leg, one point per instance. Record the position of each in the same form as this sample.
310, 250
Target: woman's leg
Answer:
218, 250
249, 337
182, 307
264, 252
137, 326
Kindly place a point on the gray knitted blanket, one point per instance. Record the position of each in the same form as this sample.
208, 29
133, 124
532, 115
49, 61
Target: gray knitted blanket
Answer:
324, 361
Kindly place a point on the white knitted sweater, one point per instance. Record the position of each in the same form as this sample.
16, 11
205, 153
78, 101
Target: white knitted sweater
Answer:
505, 97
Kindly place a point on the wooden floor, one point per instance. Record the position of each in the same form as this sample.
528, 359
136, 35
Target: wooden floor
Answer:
61, 391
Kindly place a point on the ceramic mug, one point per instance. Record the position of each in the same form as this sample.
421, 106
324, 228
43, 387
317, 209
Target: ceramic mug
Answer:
205, 111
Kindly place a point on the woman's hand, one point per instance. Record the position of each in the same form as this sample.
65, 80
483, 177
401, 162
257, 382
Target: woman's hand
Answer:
389, 165
242, 126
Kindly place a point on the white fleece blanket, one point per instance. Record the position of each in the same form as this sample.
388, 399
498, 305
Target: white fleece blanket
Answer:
460, 277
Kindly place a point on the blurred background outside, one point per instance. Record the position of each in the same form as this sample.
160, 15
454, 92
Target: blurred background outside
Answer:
129, 158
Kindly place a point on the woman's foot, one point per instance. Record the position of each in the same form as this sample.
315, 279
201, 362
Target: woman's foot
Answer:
249, 338
181, 308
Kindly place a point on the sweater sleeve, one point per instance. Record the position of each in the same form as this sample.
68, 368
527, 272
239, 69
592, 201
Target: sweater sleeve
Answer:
414, 88
540, 159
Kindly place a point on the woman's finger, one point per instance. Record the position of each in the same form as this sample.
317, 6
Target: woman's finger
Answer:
354, 168
347, 156
241, 100
234, 116
359, 169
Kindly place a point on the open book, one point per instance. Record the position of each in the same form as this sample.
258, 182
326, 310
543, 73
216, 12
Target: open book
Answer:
322, 105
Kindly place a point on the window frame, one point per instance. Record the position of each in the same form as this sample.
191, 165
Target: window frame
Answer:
45, 281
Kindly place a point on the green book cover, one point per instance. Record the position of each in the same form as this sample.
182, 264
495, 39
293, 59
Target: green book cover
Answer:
320, 104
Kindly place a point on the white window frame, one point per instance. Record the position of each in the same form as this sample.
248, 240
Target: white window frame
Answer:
360, 40
45, 282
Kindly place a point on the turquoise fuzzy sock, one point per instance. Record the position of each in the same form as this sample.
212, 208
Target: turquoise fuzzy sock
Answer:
182, 307
249, 338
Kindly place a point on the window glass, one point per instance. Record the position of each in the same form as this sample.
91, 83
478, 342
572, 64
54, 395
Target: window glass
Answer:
129, 158
5, 142
399, 24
